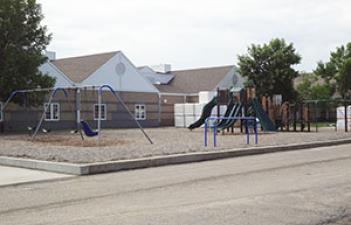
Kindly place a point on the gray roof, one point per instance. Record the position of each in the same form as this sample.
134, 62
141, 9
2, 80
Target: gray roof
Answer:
159, 78
195, 80
155, 77
79, 68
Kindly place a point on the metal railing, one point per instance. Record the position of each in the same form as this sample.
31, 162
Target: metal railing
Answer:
215, 126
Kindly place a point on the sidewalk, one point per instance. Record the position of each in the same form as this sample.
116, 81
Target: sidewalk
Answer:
14, 176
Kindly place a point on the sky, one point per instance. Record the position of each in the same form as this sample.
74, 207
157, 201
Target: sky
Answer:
195, 33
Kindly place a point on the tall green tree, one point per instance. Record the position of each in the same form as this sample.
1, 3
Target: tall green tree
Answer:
321, 92
304, 87
22, 42
269, 67
337, 71
312, 88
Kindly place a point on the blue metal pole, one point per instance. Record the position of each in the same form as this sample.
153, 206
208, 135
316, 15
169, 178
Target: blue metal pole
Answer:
53, 93
247, 133
118, 98
247, 125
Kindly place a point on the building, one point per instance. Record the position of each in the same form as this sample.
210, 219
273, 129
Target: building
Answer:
149, 92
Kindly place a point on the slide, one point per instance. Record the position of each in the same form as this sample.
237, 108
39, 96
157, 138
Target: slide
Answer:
206, 112
235, 112
228, 112
265, 121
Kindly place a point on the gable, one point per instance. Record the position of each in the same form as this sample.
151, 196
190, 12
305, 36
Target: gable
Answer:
121, 75
146, 69
80, 68
232, 79
61, 79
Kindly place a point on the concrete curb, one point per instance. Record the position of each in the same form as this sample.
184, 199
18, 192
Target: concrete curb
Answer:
60, 167
111, 166
37, 181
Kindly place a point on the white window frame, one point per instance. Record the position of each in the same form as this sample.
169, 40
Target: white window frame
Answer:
96, 115
1, 113
50, 109
137, 113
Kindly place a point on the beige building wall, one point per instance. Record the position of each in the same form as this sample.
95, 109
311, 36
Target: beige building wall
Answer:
18, 118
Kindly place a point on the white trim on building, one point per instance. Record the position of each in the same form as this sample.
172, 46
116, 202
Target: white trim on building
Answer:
140, 111
103, 111
121, 75
61, 79
53, 111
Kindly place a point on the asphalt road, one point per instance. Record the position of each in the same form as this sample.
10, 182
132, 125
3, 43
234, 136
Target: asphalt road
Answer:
303, 187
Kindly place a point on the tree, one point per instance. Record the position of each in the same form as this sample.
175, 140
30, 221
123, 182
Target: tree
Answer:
304, 87
22, 43
321, 92
313, 88
269, 68
337, 71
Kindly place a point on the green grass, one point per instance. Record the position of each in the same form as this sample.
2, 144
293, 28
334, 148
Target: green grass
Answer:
313, 125
323, 124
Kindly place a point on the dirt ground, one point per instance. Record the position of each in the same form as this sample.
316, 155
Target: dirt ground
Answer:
120, 144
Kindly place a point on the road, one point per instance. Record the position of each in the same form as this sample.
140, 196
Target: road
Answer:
302, 187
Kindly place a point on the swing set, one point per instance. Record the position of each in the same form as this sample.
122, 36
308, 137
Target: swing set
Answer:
82, 125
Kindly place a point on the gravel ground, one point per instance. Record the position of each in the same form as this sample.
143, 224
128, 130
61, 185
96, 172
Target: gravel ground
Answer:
130, 143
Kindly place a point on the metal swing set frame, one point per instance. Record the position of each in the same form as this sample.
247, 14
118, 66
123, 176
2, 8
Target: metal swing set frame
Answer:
78, 89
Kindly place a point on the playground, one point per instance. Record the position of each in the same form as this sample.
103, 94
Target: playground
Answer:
119, 144
243, 124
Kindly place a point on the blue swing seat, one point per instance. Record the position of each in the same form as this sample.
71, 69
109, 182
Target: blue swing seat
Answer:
87, 129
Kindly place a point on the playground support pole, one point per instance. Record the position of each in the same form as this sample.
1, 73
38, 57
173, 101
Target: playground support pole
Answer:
159, 108
247, 132
132, 116
302, 119
46, 109
215, 136
308, 118
99, 116
288, 117
346, 124
218, 105
118, 98
255, 130
245, 119
282, 117
315, 115
78, 108
266, 103
42, 117
295, 111
205, 138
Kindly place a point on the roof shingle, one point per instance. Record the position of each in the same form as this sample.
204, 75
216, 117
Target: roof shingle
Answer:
195, 80
80, 68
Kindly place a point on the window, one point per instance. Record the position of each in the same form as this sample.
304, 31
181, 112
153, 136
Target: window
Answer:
103, 112
140, 112
52, 112
1, 114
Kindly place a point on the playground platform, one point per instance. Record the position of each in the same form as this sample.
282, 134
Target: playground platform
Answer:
125, 144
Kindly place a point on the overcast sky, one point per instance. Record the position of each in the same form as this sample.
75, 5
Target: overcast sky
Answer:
195, 33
